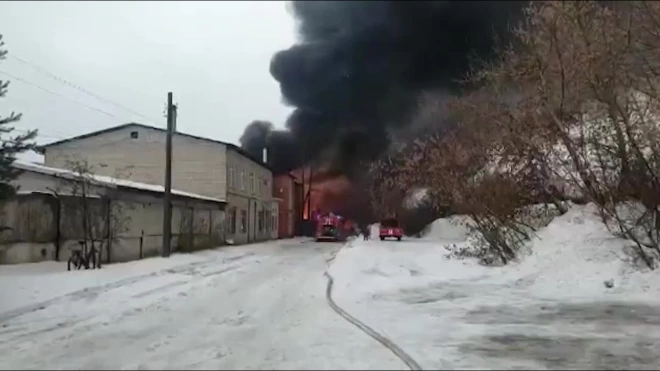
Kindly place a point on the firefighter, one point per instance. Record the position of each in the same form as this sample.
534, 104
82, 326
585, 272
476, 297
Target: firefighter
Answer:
365, 233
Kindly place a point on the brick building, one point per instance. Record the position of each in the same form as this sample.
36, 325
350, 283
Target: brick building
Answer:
288, 191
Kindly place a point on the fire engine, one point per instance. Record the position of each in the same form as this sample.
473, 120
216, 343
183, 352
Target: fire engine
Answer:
330, 227
390, 228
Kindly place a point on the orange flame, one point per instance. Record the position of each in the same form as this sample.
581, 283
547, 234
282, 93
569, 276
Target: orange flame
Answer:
326, 193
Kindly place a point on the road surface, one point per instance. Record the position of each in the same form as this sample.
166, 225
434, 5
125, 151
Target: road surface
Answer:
244, 307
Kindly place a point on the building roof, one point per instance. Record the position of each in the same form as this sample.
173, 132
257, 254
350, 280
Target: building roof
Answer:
106, 181
231, 146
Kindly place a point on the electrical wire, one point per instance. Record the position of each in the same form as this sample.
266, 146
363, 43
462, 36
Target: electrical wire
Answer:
57, 94
77, 87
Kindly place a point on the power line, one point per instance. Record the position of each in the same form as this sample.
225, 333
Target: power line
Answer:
70, 99
77, 87
40, 131
57, 94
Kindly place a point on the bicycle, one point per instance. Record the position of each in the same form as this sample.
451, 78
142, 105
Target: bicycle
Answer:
82, 258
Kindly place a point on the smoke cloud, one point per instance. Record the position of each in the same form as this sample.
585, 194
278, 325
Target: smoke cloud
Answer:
360, 68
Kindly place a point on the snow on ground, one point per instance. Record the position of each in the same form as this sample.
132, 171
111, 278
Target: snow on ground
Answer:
23, 285
243, 307
263, 306
551, 310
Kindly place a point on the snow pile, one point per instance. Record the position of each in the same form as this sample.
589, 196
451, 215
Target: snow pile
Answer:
453, 228
374, 230
576, 253
551, 309
572, 255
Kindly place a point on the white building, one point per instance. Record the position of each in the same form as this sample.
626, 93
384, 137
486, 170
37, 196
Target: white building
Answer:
202, 166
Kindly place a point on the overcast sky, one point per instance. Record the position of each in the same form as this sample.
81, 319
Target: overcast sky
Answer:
214, 56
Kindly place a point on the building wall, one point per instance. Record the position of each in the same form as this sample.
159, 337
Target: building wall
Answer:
283, 189
250, 201
274, 220
45, 227
198, 166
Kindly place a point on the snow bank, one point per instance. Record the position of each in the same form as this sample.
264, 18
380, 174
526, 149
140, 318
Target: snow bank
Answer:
572, 256
576, 253
458, 314
448, 229
374, 230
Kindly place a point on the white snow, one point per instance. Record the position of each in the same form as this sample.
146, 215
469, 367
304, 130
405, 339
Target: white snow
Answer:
263, 307
448, 229
260, 306
25, 284
549, 310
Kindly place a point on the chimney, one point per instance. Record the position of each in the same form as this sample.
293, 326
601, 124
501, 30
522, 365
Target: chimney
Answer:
265, 155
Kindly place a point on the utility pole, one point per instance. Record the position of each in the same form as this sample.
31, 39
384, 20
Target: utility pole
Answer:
167, 197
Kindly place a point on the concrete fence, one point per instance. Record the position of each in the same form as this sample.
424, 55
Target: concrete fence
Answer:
38, 227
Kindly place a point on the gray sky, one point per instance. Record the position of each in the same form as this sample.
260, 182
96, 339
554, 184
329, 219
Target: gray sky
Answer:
214, 57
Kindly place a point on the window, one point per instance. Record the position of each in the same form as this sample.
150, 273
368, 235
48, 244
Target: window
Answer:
251, 182
243, 221
232, 175
242, 180
134, 134
260, 221
259, 184
269, 224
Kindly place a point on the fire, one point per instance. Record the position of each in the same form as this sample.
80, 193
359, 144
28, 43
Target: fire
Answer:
326, 195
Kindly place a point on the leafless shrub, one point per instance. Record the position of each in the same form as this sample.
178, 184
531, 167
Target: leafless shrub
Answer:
585, 79
569, 112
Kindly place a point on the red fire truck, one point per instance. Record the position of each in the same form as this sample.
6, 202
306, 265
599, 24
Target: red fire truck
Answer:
390, 228
330, 227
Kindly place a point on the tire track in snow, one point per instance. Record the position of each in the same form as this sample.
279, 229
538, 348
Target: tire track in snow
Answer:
389, 344
96, 290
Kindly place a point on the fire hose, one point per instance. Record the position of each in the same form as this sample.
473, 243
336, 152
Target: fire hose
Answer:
395, 349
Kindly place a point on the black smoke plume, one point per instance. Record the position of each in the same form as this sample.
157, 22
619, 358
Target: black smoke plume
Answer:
360, 66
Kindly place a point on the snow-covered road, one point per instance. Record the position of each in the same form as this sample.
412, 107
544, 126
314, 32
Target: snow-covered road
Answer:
244, 307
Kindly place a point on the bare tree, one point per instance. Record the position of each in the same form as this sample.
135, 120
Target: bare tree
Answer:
569, 111
102, 218
586, 78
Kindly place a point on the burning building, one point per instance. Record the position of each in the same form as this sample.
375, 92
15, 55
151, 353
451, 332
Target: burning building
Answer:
356, 77
322, 193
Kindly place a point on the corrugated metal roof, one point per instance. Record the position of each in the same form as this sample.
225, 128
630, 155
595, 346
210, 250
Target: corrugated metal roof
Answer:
106, 181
